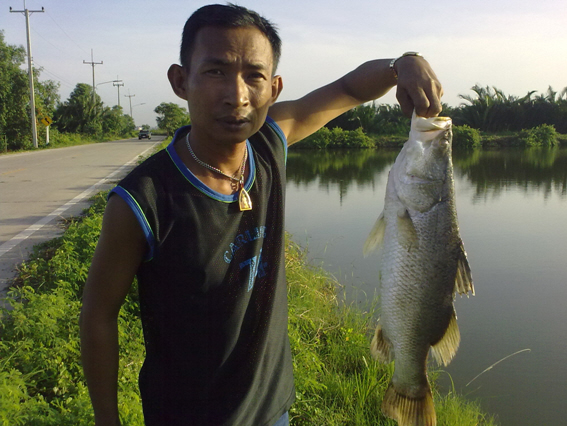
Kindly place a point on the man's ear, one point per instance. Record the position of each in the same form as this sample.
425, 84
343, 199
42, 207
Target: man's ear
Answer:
177, 78
277, 87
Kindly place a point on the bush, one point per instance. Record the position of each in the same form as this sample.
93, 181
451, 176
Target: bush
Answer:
39, 350
337, 138
57, 138
466, 137
543, 135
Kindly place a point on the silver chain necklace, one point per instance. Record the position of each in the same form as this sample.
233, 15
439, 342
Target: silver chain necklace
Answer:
244, 201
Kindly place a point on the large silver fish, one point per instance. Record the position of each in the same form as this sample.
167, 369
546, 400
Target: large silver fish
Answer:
423, 264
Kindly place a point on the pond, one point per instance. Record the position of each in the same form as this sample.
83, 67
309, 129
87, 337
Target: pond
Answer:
512, 208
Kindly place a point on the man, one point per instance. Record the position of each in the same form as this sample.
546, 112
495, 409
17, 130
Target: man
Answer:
201, 225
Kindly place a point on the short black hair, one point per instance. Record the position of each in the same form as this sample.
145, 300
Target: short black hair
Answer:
227, 16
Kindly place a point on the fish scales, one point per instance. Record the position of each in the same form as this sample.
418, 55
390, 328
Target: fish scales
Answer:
423, 264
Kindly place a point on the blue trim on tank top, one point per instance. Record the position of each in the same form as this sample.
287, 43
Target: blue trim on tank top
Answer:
194, 180
280, 133
140, 216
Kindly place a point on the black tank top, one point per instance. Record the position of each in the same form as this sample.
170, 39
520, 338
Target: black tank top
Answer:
212, 291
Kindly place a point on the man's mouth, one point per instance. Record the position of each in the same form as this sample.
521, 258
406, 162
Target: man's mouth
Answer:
235, 122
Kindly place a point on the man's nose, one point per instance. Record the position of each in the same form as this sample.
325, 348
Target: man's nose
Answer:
237, 94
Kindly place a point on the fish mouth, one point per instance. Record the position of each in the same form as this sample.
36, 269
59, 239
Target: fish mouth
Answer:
433, 124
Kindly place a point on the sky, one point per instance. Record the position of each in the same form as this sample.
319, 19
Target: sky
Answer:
514, 45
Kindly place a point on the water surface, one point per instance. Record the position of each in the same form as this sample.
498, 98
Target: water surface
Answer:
512, 208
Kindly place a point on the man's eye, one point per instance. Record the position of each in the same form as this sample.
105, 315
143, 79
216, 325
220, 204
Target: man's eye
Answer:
214, 72
257, 76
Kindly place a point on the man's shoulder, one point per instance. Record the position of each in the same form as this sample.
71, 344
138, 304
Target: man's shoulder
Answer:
270, 136
153, 164
153, 171
273, 129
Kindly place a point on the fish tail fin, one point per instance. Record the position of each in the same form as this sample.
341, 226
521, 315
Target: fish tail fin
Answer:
380, 348
409, 411
445, 349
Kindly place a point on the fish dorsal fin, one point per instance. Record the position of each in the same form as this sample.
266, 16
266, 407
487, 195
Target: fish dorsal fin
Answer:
463, 279
445, 349
376, 236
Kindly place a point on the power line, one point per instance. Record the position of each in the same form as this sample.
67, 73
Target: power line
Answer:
66, 52
61, 80
27, 13
64, 32
41, 35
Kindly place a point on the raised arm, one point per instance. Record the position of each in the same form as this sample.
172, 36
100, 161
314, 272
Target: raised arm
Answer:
117, 256
418, 88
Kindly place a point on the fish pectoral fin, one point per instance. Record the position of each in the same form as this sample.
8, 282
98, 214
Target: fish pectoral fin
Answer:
380, 348
407, 235
409, 411
463, 279
376, 236
445, 349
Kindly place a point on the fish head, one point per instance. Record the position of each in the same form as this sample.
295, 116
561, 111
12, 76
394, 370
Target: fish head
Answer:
424, 173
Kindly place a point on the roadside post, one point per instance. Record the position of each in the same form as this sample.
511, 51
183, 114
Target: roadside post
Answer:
47, 122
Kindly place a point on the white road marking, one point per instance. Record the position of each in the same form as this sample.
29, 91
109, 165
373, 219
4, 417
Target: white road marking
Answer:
13, 242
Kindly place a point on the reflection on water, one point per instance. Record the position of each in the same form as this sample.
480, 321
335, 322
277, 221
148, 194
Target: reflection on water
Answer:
491, 172
494, 172
512, 207
337, 167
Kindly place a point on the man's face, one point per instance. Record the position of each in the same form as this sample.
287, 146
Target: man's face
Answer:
229, 85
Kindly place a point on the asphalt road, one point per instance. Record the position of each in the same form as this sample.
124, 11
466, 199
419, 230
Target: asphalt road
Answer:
38, 189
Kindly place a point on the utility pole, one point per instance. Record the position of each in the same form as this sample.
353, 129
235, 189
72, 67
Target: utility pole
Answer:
114, 84
93, 63
133, 106
27, 13
130, 96
118, 83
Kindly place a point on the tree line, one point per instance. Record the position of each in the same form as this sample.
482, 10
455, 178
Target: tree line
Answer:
82, 115
487, 110
14, 96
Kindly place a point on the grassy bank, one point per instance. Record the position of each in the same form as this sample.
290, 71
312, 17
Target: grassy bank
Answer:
512, 139
41, 381
463, 137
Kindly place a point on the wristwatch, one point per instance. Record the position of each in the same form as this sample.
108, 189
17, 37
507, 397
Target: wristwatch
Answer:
393, 61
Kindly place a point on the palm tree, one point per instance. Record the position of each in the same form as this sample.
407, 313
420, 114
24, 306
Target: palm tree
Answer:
491, 110
81, 113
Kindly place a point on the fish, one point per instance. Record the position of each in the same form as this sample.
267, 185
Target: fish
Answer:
423, 264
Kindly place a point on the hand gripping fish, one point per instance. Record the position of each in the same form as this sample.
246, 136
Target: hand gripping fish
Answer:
423, 264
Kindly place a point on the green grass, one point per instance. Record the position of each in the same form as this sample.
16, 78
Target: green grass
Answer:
41, 380
60, 140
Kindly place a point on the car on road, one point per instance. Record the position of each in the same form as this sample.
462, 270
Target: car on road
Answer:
144, 134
